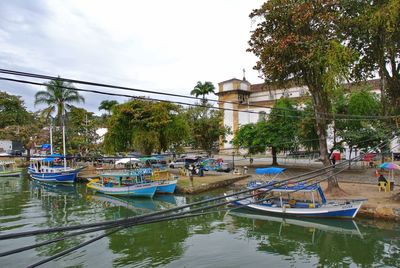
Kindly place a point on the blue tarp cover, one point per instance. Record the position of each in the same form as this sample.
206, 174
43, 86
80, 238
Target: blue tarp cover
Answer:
269, 171
46, 146
52, 157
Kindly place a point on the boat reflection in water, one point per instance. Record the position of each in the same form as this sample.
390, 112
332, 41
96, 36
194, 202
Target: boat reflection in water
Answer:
56, 189
348, 227
138, 205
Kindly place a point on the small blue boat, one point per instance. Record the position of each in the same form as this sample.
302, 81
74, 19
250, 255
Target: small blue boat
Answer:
124, 184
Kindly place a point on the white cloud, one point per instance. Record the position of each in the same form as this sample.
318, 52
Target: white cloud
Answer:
159, 45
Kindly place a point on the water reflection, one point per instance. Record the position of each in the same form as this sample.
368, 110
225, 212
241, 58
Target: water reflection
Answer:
213, 240
330, 242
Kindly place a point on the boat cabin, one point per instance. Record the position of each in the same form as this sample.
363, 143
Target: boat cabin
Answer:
290, 195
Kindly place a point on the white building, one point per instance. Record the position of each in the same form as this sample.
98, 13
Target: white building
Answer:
246, 103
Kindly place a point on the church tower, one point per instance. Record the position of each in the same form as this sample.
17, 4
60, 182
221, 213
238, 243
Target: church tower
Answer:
233, 95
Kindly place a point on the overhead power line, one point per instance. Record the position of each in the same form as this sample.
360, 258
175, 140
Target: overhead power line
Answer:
160, 100
41, 76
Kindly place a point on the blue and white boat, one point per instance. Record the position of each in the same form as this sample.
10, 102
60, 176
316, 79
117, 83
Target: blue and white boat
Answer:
290, 200
47, 169
124, 184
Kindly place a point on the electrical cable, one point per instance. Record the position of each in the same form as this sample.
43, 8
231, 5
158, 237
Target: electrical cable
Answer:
40, 76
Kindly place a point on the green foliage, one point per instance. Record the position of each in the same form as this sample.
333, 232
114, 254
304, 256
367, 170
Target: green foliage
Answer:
145, 126
250, 137
282, 125
373, 28
13, 111
203, 89
205, 126
361, 134
59, 96
279, 132
299, 40
107, 105
307, 133
81, 130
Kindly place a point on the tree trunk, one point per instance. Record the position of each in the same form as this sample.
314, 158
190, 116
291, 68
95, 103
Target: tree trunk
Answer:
321, 105
28, 153
351, 150
274, 158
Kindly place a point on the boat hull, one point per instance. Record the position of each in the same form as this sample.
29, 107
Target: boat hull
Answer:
67, 176
167, 187
10, 174
142, 190
330, 210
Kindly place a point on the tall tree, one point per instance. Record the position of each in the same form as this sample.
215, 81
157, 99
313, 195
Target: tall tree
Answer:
279, 132
307, 133
282, 127
373, 29
297, 39
82, 126
59, 97
205, 126
203, 89
361, 134
107, 105
145, 126
13, 111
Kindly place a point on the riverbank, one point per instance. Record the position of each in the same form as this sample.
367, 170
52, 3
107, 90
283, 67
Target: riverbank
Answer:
356, 183
380, 205
206, 183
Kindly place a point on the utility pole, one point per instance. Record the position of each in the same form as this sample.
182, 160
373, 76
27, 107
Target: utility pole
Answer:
233, 160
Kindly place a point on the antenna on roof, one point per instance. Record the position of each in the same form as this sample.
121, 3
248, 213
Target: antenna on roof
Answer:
244, 74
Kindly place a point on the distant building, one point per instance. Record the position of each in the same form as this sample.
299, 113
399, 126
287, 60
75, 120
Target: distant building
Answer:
11, 147
248, 103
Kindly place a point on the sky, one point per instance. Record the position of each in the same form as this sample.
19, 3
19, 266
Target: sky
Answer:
165, 46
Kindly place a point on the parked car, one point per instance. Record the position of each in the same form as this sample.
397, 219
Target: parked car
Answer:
183, 162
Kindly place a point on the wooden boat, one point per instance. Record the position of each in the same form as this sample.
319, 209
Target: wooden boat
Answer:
47, 170
291, 200
8, 169
166, 182
123, 184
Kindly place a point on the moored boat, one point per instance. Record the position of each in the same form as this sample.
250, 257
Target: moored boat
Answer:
8, 169
290, 200
166, 182
47, 170
123, 184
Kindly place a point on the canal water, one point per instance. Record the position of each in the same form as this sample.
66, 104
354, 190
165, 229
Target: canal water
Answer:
221, 239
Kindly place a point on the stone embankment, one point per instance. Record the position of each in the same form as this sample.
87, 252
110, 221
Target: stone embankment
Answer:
207, 183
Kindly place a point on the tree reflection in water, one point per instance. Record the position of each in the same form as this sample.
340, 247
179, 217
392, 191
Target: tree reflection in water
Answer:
331, 242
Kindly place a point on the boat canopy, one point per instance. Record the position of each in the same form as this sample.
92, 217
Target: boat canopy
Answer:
269, 171
47, 158
53, 157
144, 159
127, 160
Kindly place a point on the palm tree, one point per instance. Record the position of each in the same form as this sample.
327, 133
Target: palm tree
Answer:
107, 105
58, 96
203, 89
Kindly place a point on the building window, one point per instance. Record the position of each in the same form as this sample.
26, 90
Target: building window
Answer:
242, 98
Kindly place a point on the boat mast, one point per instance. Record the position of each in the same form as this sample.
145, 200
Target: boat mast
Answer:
51, 135
63, 134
